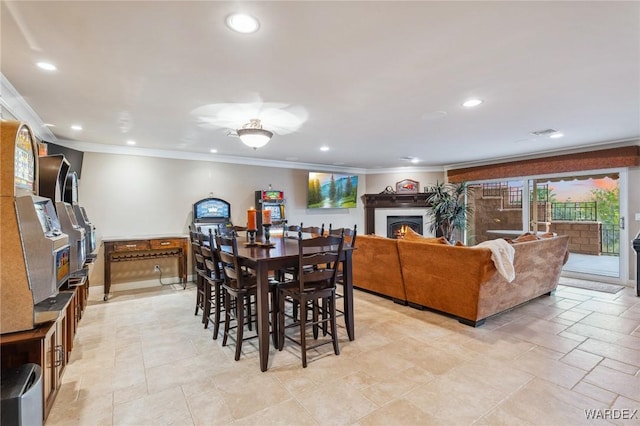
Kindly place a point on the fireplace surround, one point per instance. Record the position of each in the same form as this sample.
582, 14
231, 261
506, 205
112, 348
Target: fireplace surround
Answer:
390, 201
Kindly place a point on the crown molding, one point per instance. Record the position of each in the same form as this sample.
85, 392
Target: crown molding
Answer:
15, 105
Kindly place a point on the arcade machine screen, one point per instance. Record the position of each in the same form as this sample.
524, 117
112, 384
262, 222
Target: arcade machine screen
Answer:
47, 217
25, 172
211, 213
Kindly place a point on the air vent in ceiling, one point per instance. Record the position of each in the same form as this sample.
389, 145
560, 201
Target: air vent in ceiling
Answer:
545, 132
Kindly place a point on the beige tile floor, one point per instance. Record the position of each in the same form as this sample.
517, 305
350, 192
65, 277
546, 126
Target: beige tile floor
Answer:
143, 358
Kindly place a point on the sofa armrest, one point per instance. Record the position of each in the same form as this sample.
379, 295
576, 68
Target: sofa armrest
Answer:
376, 266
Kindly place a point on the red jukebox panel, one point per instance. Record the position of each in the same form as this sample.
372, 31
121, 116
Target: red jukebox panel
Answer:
272, 200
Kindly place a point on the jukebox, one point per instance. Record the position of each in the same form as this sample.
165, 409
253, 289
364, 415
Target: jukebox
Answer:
211, 214
272, 200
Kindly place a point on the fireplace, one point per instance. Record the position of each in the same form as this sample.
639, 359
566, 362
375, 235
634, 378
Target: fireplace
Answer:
397, 225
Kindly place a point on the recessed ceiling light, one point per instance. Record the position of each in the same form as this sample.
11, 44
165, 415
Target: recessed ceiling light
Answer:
243, 23
324, 148
413, 160
46, 66
130, 142
76, 127
213, 150
556, 135
472, 103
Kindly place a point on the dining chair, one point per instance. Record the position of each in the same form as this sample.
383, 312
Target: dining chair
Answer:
313, 288
240, 285
350, 239
200, 272
213, 294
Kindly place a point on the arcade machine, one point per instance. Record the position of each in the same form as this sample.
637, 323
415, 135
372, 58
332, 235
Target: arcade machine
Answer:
71, 197
211, 214
269, 199
35, 252
53, 170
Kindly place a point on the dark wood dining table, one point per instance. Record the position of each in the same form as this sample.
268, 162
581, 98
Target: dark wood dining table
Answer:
284, 254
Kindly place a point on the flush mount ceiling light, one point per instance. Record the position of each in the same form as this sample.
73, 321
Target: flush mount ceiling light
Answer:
242, 23
472, 103
252, 134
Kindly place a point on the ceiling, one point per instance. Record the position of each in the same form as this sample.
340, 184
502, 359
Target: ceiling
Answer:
375, 82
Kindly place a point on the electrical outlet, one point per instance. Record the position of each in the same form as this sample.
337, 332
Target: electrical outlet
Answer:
156, 268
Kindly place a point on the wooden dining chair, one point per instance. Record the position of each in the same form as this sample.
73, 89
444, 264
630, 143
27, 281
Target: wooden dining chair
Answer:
213, 292
349, 239
239, 284
200, 272
314, 288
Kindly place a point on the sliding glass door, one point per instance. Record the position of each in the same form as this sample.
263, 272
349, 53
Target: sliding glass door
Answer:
586, 207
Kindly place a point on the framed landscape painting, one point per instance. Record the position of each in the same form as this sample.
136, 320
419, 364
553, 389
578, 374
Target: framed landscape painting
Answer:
332, 191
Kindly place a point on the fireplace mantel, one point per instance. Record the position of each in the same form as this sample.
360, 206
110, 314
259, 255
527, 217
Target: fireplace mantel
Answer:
389, 201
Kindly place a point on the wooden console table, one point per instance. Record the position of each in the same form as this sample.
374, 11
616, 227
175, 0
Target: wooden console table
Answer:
129, 249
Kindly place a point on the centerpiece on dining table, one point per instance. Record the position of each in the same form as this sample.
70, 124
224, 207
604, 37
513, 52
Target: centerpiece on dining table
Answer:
252, 228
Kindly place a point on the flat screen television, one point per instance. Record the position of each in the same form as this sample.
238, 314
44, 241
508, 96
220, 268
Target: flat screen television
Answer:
332, 191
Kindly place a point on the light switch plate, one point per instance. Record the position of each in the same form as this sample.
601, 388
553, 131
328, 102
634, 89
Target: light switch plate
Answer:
637, 216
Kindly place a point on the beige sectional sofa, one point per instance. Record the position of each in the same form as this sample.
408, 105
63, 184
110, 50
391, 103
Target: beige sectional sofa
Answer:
456, 280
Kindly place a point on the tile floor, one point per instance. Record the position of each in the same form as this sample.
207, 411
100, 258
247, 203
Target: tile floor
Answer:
143, 358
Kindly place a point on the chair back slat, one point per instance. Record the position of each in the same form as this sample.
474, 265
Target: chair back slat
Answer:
318, 259
314, 231
227, 248
349, 234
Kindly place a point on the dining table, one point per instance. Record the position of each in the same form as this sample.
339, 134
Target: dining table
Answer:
281, 253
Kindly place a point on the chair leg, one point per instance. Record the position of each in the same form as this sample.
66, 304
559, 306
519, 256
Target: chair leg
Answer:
227, 317
240, 325
274, 317
281, 322
206, 311
314, 317
219, 301
199, 285
249, 312
303, 326
334, 325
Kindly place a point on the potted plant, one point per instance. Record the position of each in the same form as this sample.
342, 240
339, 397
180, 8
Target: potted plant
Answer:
449, 208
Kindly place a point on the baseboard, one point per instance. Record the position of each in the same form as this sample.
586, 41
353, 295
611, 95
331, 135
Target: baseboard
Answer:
134, 285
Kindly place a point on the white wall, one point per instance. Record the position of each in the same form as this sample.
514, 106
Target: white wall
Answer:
376, 183
131, 196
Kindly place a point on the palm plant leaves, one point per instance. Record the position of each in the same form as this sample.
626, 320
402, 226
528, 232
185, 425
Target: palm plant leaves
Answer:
449, 209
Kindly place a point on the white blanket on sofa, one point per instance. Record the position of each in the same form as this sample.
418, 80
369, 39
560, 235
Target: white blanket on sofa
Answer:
502, 254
